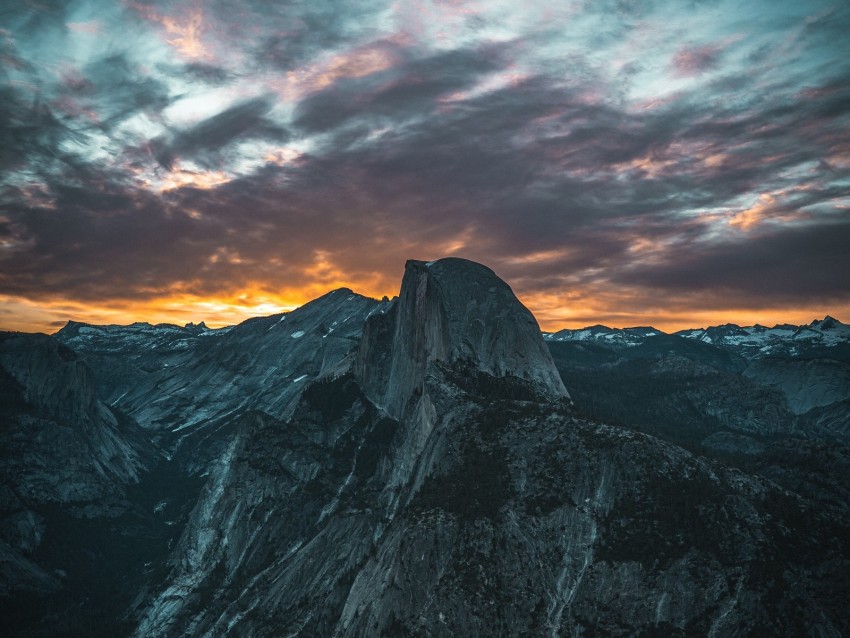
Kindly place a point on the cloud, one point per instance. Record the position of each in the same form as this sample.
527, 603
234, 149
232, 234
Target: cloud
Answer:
409, 89
785, 264
206, 72
114, 88
203, 141
588, 153
31, 133
694, 60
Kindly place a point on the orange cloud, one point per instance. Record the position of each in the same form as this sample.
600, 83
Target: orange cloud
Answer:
179, 177
203, 180
282, 156
357, 63
540, 257
184, 33
755, 214
766, 209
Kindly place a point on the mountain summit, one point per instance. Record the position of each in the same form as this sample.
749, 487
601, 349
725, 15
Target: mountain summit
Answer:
452, 311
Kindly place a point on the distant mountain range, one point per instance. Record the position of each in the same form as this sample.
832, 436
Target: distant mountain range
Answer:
427, 465
827, 336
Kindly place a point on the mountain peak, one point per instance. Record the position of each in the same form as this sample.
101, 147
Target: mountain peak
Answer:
71, 328
827, 323
452, 310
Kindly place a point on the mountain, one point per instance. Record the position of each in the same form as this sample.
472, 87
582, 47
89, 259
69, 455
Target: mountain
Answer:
68, 466
825, 337
190, 382
698, 383
418, 467
429, 490
604, 335
452, 311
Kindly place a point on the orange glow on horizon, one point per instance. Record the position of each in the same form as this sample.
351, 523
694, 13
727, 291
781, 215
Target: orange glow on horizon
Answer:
224, 310
553, 311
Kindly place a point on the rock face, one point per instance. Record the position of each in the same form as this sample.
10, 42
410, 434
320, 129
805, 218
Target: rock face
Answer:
189, 385
168, 377
376, 426
432, 477
66, 446
433, 492
67, 466
815, 383
449, 311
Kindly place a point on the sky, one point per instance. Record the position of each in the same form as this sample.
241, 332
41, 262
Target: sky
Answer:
676, 163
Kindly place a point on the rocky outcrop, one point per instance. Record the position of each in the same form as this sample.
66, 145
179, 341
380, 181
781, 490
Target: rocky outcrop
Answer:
450, 311
527, 520
187, 383
63, 445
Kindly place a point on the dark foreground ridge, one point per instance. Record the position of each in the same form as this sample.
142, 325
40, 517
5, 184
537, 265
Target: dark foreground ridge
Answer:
416, 467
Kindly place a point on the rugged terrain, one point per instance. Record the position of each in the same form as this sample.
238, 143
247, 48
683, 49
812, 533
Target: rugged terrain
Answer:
418, 467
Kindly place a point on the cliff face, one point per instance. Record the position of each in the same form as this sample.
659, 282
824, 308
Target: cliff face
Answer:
181, 378
814, 383
517, 518
450, 311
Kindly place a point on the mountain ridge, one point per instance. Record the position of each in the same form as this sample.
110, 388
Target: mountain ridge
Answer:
415, 467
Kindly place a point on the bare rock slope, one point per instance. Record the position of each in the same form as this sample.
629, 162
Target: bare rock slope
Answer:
433, 489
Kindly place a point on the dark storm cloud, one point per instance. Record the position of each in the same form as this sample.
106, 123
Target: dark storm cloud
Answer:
209, 73
31, 18
203, 141
785, 265
480, 165
407, 90
104, 238
9, 56
291, 37
31, 133
117, 89
297, 43
542, 193
47, 129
